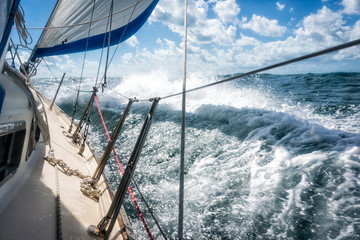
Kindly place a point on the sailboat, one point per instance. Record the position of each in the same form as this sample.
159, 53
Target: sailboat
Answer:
51, 184
42, 164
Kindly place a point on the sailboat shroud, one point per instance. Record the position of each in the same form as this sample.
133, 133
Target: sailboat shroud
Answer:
68, 29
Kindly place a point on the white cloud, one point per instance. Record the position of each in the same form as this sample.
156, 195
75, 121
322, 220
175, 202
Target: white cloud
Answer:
353, 52
280, 6
355, 32
23, 55
246, 41
351, 6
215, 44
325, 28
264, 26
227, 10
201, 29
133, 41
168, 12
64, 64
315, 32
165, 57
212, 31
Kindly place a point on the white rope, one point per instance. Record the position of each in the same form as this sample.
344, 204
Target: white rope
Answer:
22, 31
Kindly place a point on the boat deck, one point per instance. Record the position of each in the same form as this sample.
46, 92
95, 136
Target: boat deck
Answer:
32, 214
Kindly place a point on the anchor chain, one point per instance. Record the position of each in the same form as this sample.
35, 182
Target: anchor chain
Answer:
85, 186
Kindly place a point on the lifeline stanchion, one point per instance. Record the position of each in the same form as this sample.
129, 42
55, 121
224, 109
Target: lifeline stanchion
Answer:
57, 91
100, 168
129, 189
75, 135
100, 230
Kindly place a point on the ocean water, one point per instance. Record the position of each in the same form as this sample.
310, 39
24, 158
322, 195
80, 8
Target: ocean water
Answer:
267, 156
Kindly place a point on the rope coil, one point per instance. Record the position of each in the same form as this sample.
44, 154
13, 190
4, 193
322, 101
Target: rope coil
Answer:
85, 185
24, 35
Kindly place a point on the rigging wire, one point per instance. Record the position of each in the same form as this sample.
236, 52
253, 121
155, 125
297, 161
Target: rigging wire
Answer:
129, 189
182, 144
86, 46
122, 35
97, 128
48, 67
148, 207
102, 49
82, 71
121, 95
125, 97
298, 59
108, 47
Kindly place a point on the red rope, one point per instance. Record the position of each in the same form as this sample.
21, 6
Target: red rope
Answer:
122, 172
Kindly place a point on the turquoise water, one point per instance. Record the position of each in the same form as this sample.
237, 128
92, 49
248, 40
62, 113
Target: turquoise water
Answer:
267, 157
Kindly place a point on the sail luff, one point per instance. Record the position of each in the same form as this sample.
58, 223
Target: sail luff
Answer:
57, 41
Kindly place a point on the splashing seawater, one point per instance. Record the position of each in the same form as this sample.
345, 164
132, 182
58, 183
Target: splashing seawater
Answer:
267, 157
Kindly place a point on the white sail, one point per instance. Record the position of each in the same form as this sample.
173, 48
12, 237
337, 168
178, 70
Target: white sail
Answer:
67, 30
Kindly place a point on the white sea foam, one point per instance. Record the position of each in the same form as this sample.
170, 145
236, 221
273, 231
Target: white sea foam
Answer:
257, 165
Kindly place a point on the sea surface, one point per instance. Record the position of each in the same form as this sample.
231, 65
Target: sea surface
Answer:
267, 156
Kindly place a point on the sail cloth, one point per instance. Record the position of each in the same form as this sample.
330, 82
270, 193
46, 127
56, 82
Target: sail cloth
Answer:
67, 29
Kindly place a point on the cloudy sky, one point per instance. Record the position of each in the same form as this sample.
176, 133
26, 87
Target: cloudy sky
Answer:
225, 36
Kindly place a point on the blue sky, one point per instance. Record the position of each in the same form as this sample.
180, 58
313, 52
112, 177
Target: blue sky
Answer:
224, 36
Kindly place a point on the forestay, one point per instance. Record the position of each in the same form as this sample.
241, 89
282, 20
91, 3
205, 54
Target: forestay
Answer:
68, 27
